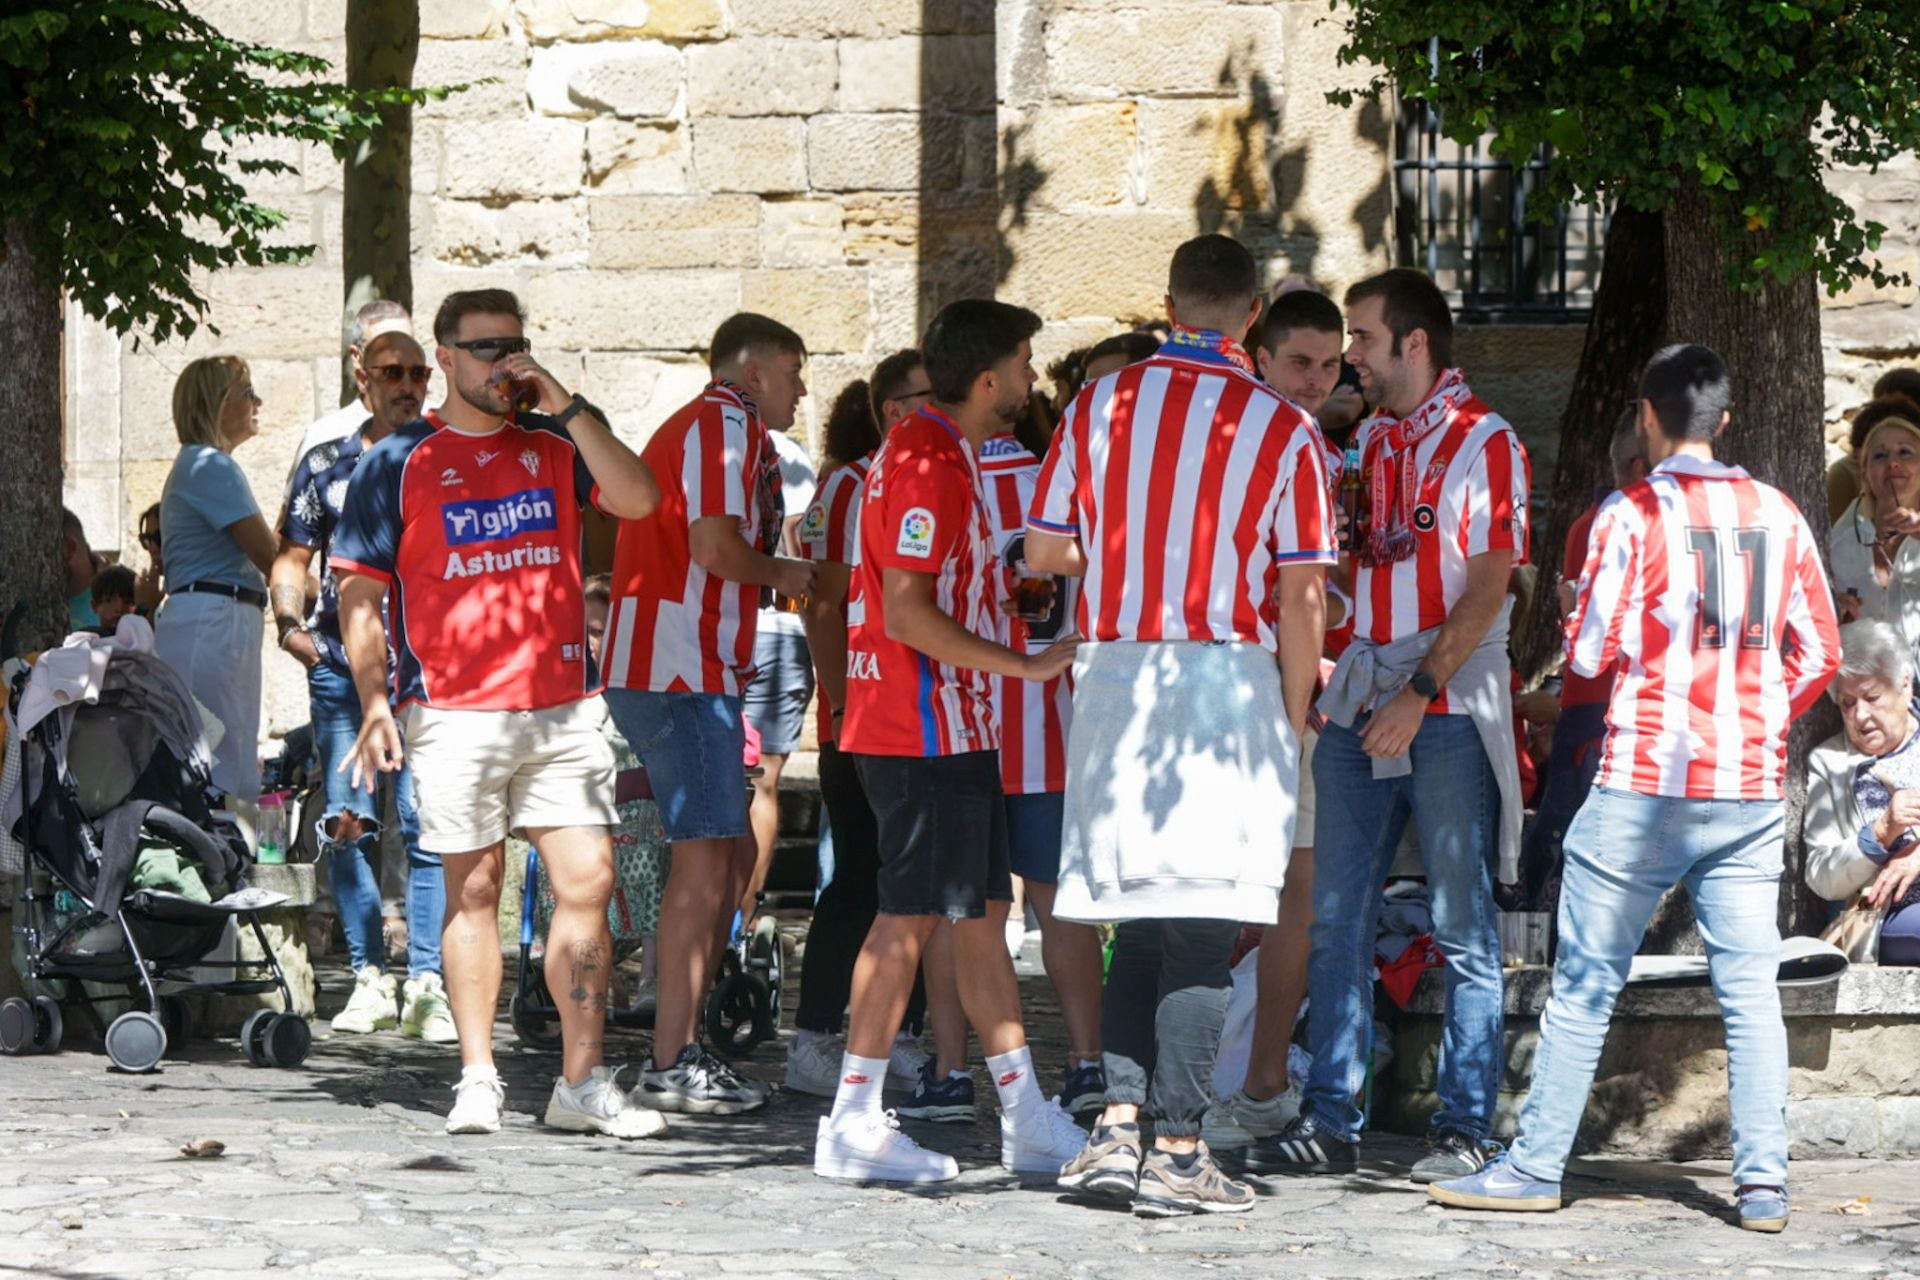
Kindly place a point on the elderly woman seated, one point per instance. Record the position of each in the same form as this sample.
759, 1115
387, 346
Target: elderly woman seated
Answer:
1863, 789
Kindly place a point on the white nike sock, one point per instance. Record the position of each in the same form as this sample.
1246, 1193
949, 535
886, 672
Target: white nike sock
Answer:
1020, 1096
860, 1083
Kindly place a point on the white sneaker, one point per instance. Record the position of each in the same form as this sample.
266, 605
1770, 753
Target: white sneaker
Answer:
1240, 1121
813, 1063
905, 1062
476, 1102
599, 1105
869, 1147
424, 1011
1046, 1141
373, 1006
1016, 935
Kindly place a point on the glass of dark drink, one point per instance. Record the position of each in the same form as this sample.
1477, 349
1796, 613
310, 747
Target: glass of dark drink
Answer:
1033, 598
521, 394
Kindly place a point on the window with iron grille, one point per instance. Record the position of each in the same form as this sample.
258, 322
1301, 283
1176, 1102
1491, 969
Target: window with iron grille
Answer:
1461, 215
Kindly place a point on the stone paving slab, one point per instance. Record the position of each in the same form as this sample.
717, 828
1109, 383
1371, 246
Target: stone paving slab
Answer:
340, 1169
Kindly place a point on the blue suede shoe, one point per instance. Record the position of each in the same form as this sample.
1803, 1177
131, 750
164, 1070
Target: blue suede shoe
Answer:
1499, 1186
1763, 1208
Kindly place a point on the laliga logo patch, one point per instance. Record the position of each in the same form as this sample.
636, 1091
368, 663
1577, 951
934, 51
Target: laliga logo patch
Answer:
916, 534
531, 461
814, 526
1424, 519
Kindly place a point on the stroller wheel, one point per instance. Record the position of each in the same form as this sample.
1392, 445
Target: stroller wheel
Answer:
136, 1041
737, 1014
535, 1030
176, 1015
16, 1025
48, 1024
285, 1040
253, 1035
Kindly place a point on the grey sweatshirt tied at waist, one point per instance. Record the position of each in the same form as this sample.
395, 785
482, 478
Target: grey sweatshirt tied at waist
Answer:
1368, 674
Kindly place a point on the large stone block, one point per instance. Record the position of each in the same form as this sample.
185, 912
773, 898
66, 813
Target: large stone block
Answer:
272, 22
1826, 1127
513, 159
905, 73
462, 19
549, 20
1211, 154
624, 158
675, 231
631, 310
881, 226
1084, 155
1112, 265
801, 233
759, 154
628, 78
1161, 48
639, 392
474, 234
880, 153
826, 18
469, 62
829, 306
761, 77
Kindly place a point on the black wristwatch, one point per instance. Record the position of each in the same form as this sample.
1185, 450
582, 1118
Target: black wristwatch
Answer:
574, 406
1425, 685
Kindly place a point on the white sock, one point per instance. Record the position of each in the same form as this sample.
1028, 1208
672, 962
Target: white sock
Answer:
479, 1071
1013, 1078
860, 1083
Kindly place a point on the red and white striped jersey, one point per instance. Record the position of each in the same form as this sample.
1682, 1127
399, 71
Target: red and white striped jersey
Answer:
830, 533
1033, 717
1468, 497
674, 627
922, 510
1188, 483
1705, 597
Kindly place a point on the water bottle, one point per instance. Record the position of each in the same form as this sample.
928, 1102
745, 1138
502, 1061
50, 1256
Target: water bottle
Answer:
271, 834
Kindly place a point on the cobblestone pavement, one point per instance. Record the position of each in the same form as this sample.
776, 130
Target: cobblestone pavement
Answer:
341, 1169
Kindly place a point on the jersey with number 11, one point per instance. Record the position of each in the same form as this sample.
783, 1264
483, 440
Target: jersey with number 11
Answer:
1704, 594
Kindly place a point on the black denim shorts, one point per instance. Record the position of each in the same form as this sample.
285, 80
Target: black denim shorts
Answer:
943, 833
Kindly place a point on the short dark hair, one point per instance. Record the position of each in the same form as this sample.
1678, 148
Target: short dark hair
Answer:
745, 332
1410, 300
151, 513
888, 381
1071, 368
968, 338
1884, 405
1688, 386
1135, 347
1213, 270
1902, 380
115, 582
853, 428
1301, 309
70, 526
473, 302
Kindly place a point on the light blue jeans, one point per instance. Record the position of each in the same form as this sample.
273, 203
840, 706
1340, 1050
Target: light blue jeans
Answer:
335, 711
1454, 803
1623, 852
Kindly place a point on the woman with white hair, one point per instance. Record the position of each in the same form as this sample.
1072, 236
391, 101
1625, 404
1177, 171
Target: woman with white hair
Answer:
1874, 545
219, 551
1862, 826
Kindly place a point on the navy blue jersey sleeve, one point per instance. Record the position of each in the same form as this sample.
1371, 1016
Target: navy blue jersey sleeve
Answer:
368, 539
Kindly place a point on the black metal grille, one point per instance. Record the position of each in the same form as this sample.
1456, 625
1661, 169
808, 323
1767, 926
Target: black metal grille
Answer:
1460, 215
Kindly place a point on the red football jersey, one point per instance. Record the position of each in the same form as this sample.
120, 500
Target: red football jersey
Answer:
829, 533
1034, 718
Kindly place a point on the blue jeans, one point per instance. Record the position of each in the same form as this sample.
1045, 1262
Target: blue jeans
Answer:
1454, 802
1623, 852
694, 748
335, 710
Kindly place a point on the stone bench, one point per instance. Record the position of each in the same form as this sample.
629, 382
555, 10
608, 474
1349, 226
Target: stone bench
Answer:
1853, 1048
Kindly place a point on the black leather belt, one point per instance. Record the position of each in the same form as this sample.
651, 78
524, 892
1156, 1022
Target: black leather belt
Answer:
245, 595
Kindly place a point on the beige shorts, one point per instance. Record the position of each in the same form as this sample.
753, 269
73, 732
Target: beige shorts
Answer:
478, 775
1303, 795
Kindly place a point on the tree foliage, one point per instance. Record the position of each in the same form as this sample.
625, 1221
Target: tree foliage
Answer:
122, 126
1751, 99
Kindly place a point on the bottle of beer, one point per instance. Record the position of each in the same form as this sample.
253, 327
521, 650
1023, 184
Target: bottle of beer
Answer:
1354, 500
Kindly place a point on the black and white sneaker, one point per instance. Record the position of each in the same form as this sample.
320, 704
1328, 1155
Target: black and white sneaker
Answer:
1301, 1147
1451, 1155
697, 1083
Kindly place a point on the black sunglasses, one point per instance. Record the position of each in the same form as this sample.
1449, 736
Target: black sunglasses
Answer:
492, 349
395, 374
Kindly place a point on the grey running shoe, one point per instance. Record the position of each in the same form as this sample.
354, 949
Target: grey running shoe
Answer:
1241, 1121
1170, 1186
697, 1083
1108, 1166
1451, 1155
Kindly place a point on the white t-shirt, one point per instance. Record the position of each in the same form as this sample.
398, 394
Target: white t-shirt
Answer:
797, 479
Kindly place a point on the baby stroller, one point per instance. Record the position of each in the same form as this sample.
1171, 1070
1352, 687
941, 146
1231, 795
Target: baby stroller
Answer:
744, 1006
129, 878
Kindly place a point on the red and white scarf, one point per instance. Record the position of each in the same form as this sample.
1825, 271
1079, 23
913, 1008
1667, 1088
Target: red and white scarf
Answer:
1395, 482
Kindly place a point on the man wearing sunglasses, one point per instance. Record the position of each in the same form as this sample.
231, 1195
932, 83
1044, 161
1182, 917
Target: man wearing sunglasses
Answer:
472, 517
391, 373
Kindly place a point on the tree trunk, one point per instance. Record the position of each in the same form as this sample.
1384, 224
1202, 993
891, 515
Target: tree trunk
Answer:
32, 573
1770, 339
383, 39
1629, 313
